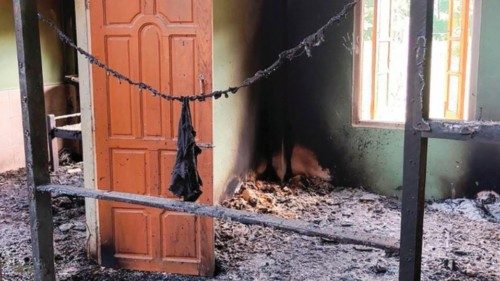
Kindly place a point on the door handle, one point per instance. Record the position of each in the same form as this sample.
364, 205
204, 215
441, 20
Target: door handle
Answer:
205, 145
201, 78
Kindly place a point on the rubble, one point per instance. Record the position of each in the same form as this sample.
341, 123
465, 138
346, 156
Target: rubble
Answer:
457, 245
486, 206
66, 227
489, 201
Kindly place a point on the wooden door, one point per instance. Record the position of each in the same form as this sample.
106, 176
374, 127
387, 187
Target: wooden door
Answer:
167, 44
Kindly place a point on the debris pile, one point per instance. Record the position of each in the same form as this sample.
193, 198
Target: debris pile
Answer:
456, 247
486, 206
278, 199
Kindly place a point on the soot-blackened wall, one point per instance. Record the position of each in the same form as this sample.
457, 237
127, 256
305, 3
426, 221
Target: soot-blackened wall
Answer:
312, 125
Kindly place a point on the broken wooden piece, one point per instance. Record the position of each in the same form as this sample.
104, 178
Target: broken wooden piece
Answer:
68, 132
337, 235
483, 131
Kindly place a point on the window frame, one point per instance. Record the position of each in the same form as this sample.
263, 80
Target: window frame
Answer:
469, 95
462, 72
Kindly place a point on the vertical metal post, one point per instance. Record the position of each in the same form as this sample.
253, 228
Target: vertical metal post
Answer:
35, 136
415, 152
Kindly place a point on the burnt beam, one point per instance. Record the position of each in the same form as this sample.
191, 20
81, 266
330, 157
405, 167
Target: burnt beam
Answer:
338, 235
479, 131
415, 145
35, 137
67, 134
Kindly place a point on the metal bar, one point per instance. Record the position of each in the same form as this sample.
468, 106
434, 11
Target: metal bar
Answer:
68, 116
301, 227
72, 79
479, 131
35, 136
415, 151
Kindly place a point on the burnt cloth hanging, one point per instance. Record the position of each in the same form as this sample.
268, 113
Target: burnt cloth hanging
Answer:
186, 181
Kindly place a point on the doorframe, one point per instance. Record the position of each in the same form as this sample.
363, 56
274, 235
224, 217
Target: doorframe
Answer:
87, 119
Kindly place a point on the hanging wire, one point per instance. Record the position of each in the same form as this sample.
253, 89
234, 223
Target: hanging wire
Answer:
304, 47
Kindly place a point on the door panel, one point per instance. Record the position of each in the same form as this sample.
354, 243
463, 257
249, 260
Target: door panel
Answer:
167, 44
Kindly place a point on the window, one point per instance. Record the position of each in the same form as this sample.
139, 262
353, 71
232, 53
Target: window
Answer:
382, 28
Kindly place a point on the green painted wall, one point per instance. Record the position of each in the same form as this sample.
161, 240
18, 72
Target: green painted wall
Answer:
484, 159
318, 113
51, 48
235, 56
489, 61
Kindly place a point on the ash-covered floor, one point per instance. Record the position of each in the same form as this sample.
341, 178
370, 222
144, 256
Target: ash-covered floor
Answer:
462, 238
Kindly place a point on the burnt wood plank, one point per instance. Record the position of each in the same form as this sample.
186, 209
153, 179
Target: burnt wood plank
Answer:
35, 136
479, 131
301, 227
68, 132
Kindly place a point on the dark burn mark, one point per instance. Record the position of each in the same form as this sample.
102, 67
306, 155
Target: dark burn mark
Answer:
483, 169
108, 256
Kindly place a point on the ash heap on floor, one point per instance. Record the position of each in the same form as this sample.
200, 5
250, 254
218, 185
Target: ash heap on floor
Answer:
462, 236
